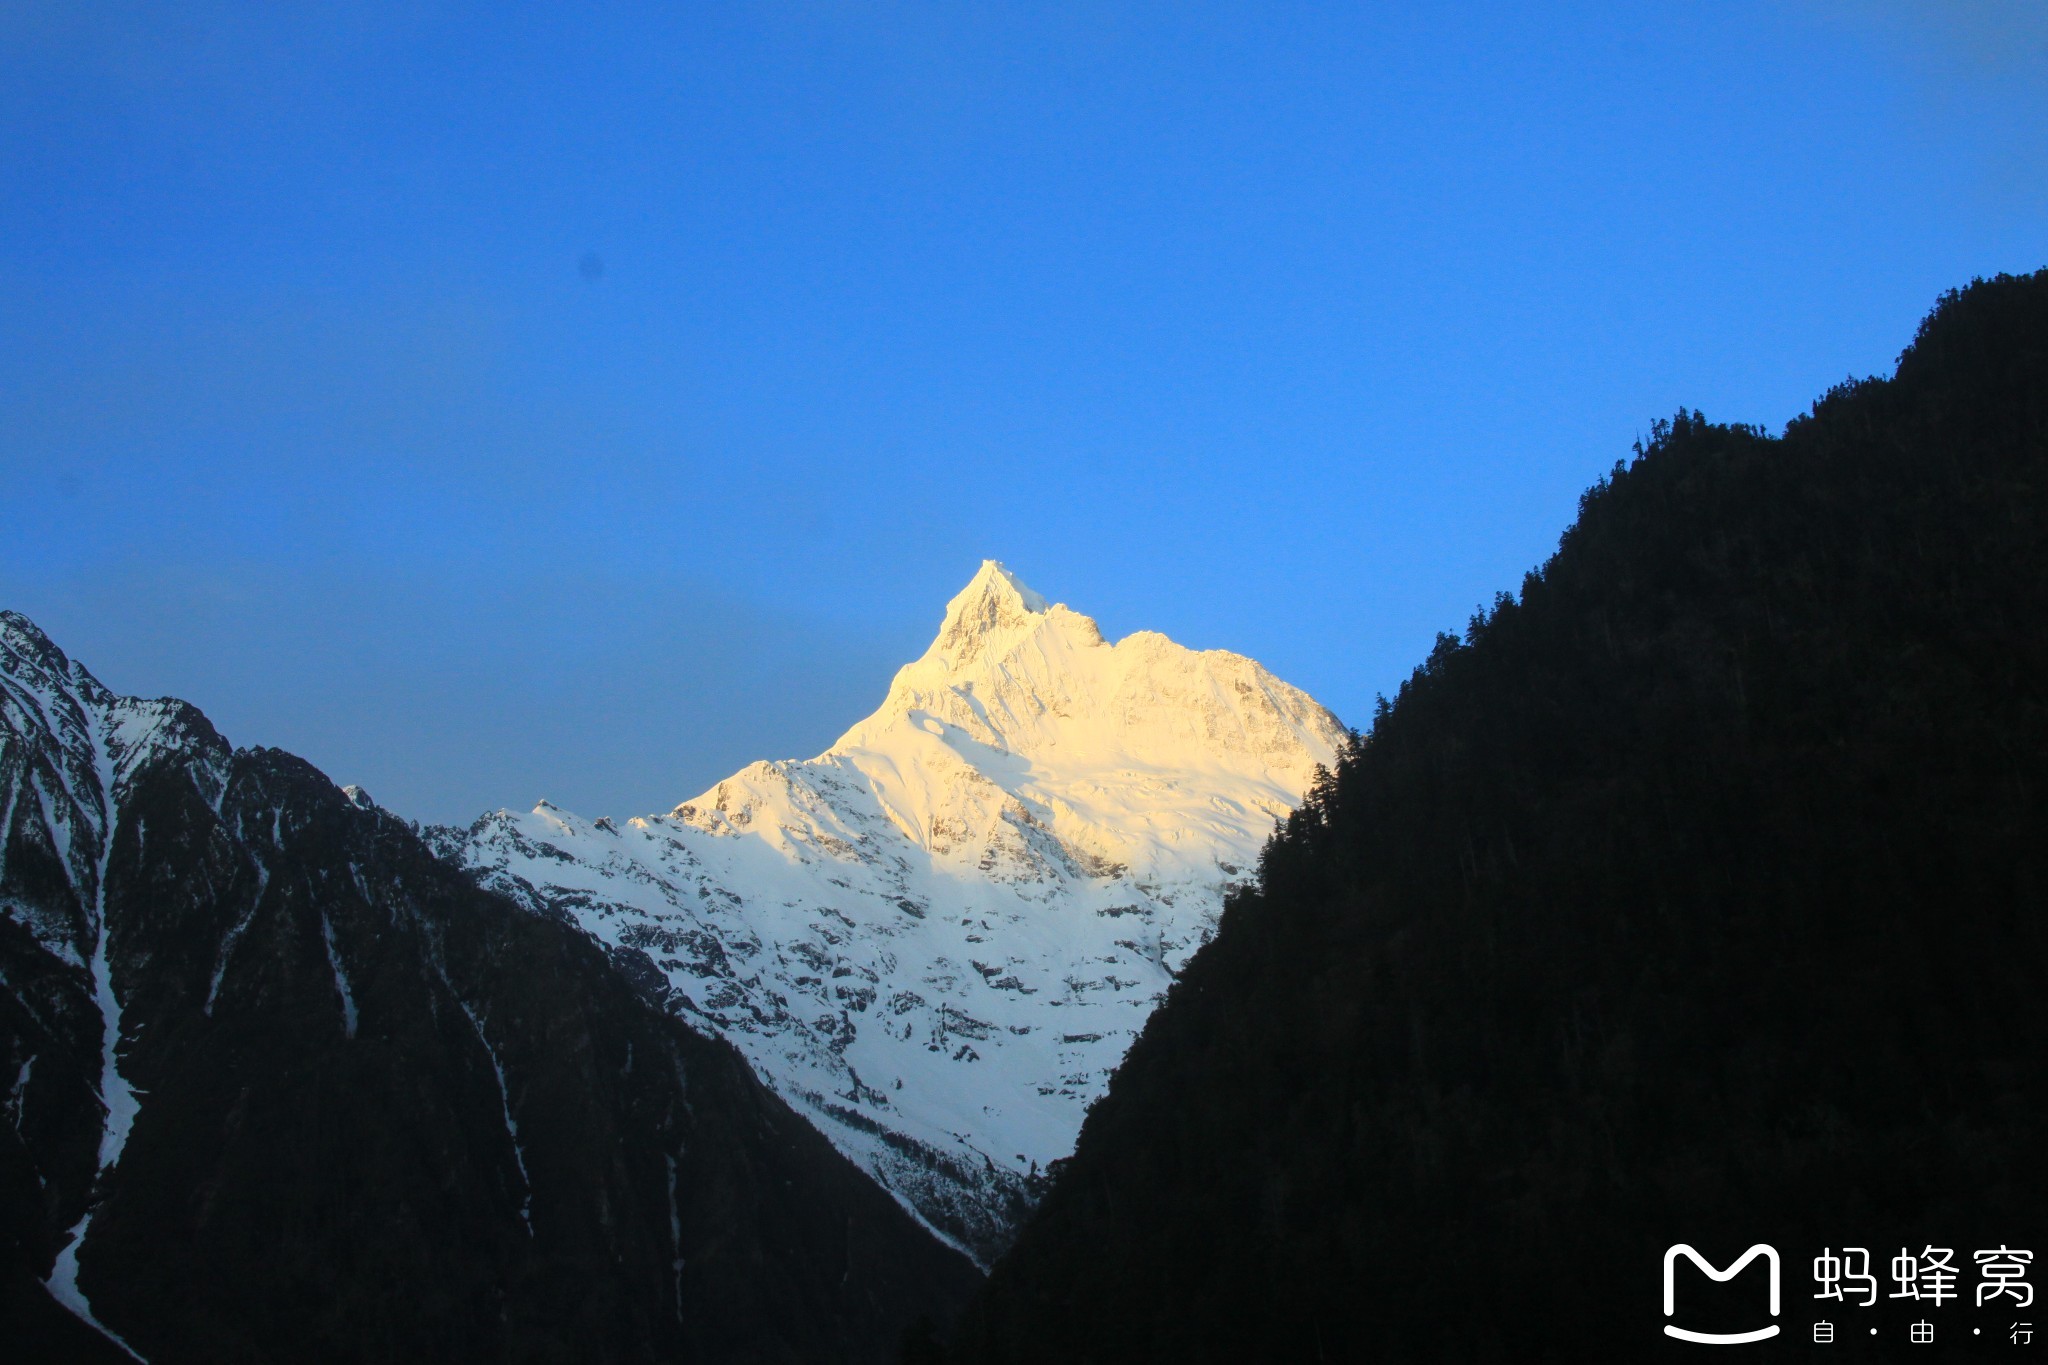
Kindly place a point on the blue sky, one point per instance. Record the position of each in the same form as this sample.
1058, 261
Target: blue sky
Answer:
493, 402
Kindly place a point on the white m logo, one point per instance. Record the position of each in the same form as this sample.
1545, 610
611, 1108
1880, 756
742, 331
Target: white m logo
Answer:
1720, 1276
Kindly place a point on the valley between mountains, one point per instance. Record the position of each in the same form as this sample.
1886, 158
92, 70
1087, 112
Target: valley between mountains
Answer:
766, 1077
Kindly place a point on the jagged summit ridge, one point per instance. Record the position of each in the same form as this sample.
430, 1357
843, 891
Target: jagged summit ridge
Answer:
1009, 671
994, 605
938, 936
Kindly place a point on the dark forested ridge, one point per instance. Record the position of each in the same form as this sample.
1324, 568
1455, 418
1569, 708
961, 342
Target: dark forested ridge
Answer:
384, 1115
1694, 895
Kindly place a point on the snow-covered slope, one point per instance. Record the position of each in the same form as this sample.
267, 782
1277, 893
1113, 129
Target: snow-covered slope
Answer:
939, 936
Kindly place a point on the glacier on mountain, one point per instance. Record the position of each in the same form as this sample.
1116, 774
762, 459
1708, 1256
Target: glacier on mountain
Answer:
938, 937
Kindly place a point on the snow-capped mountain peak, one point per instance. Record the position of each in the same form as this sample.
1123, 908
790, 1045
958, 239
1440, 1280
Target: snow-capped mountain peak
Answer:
984, 616
1010, 672
938, 936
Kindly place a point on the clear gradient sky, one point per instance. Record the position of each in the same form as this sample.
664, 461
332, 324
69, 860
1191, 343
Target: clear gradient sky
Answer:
493, 402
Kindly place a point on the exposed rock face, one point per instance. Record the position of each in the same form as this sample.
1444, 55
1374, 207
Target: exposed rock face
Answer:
938, 937
279, 1084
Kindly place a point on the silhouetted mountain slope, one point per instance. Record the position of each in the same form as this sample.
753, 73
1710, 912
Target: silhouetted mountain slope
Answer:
1695, 896
361, 1109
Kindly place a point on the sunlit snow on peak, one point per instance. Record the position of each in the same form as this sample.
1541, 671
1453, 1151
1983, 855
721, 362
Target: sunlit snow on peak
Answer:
985, 615
940, 935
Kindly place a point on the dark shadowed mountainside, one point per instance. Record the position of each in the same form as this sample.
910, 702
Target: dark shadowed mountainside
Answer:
361, 1109
1695, 895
